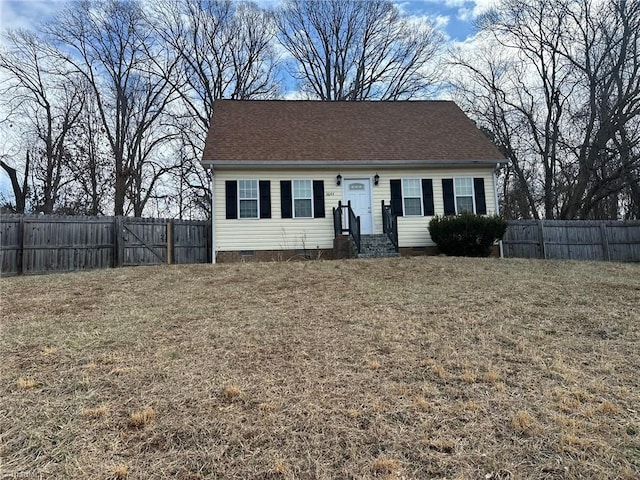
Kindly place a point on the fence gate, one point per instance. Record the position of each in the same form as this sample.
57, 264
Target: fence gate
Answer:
143, 241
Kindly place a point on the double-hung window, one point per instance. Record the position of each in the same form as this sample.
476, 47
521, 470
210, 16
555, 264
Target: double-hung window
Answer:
464, 194
302, 199
463, 188
412, 196
248, 198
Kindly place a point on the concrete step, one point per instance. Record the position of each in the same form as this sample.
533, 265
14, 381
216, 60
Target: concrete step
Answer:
377, 255
376, 246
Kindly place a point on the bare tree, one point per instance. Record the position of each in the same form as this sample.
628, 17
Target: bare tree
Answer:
557, 83
607, 69
46, 103
20, 189
90, 165
225, 50
486, 88
110, 43
358, 50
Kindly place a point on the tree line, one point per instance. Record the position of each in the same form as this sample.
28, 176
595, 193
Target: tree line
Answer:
106, 107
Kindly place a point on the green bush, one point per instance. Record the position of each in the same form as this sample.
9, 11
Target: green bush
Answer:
466, 235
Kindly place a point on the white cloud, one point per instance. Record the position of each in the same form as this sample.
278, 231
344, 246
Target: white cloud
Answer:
402, 7
482, 6
268, 4
443, 3
441, 21
455, 3
27, 13
472, 10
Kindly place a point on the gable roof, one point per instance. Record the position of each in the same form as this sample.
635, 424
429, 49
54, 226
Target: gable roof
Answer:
282, 132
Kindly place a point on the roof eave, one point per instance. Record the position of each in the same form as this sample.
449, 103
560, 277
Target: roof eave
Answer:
349, 163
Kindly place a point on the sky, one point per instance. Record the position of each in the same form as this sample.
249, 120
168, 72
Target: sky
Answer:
455, 16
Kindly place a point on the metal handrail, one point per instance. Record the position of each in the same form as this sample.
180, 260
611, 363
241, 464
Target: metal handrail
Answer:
337, 220
352, 227
390, 225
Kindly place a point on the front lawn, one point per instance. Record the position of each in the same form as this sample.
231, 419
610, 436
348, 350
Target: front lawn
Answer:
411, 368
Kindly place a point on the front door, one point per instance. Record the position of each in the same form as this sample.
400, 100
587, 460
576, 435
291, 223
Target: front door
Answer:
358, 191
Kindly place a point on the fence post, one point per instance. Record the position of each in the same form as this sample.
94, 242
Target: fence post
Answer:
605, 242
21, 251
208, 235
543, 250
118, 236
169, 242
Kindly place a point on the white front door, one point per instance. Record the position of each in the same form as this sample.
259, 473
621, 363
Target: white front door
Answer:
358, 191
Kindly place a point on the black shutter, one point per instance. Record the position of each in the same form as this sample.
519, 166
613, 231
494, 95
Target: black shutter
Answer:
447, 194
427, 197
318, 199
231, 198
478, 190
286, 199
396, 197
265, 198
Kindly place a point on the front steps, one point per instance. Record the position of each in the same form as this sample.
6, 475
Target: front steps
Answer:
376, 246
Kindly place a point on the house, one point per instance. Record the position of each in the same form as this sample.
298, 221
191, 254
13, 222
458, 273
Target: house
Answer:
291, 177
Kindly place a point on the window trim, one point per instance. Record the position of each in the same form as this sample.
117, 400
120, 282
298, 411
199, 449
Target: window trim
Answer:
257, 199
420, 197
294, 198
473, 194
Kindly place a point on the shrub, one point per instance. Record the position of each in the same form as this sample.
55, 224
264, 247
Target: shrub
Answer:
467, 234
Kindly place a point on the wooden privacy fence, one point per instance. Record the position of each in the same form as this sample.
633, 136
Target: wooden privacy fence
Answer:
573, 240
48, 243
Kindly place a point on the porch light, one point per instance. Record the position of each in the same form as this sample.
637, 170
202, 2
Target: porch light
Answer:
338, 179
376, 180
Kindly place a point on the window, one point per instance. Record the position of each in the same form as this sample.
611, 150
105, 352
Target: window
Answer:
412, 196
463, 187
464, 194
248, 198
302, 199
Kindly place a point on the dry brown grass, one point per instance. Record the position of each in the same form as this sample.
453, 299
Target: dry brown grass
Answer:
523, 422
119, 472
407, 368
232, 391
26, 383
385, 465
140, 418
96, 412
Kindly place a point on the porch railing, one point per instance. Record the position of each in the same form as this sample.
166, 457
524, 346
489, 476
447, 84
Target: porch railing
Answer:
346, 222
390, 224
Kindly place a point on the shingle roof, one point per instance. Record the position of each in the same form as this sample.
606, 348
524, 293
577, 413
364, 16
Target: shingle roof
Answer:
271, 131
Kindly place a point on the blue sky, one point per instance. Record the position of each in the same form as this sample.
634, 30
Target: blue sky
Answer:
455, 16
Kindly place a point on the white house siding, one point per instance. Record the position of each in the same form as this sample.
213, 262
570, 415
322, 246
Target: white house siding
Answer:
413, 231
277, 233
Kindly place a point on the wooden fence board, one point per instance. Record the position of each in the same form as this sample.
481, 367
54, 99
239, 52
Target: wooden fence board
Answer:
573, 240
10, 245
31, 244
190, 241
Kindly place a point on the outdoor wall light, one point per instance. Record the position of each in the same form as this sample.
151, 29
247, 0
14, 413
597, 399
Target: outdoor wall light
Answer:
376, 180
338, 179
